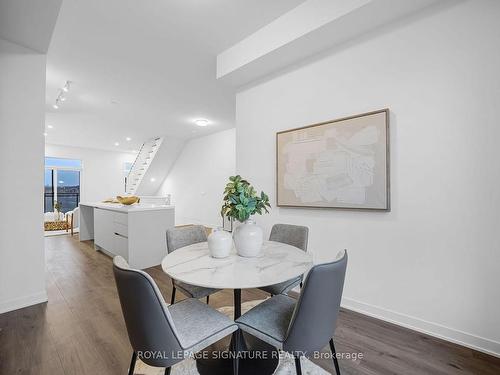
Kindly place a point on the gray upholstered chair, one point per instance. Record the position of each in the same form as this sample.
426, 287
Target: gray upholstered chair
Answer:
294, 235
306, 325
180, 237
163, 335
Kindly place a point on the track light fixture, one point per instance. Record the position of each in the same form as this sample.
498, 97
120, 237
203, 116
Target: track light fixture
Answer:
60, 96
66, 86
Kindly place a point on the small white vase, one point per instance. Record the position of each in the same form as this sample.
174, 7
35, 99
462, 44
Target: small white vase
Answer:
248, 239
220, 243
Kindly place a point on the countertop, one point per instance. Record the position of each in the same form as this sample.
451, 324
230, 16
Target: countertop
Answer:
124, 208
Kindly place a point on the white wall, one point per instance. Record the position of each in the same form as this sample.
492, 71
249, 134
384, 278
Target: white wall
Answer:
198, 178
102, 175
433, 262
22, 99
160, 166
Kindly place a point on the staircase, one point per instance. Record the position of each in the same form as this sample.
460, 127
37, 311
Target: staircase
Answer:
141, 164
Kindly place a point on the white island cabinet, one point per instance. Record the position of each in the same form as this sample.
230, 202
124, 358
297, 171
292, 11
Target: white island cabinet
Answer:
135, 232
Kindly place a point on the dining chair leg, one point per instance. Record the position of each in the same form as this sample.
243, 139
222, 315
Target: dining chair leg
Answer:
235, 349
132, 364
208, 299
334, 356
167, 370
298, 369
172, 299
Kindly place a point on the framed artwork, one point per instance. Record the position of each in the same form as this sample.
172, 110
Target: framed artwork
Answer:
341, 163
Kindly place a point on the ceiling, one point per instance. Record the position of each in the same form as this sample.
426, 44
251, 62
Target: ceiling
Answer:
145, 69
29, 23
313, 28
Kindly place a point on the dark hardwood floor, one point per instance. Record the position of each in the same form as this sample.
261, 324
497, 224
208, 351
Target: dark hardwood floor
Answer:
81, 329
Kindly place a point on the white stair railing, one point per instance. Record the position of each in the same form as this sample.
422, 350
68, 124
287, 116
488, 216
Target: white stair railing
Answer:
141, 164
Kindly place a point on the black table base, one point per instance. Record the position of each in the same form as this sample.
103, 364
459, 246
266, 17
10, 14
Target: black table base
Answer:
255, 356
259, 358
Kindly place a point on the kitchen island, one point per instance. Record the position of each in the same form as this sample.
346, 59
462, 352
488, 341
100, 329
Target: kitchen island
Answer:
135, 232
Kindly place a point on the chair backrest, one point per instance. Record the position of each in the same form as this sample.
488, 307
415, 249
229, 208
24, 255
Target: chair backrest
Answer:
150, 327
184, 236
294, 235
315, 316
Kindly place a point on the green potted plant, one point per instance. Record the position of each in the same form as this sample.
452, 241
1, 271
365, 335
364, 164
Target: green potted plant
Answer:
241, 201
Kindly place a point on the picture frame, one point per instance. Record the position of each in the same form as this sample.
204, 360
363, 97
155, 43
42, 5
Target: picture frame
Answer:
340, 164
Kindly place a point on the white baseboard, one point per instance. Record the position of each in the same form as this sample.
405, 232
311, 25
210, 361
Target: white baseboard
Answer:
25, 301
432, 329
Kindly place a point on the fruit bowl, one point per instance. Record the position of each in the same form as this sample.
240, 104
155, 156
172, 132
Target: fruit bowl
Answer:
128, 200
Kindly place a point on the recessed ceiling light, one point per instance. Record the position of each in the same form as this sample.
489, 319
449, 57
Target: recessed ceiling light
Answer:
45, 134
153, 179
50, 127
201, 122
128, 139
55, 106
117, 144
62, 98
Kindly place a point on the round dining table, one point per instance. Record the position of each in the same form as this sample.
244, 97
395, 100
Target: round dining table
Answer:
277, 262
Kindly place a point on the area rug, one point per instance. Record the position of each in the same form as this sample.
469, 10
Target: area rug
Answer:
188, 366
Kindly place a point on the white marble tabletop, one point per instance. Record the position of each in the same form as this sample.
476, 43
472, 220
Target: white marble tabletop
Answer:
277, 262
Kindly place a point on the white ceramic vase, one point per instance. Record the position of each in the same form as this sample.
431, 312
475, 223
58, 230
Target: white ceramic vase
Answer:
220, 243
248, 239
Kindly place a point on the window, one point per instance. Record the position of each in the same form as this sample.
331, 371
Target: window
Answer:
63, 163
127, 166
48, 202
62, 183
